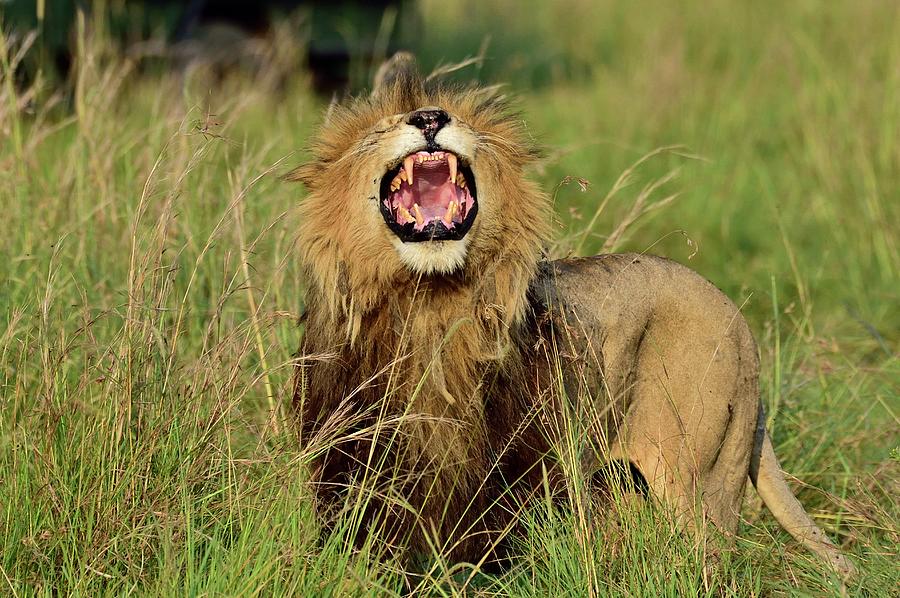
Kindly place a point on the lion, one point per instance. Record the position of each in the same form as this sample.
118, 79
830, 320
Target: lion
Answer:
443, 355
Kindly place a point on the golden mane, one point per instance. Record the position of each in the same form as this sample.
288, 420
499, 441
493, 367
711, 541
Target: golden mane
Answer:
425, 345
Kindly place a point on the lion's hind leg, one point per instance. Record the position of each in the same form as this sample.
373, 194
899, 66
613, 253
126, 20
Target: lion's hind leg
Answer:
690, 424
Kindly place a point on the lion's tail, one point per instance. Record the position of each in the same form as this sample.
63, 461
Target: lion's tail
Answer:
767, 476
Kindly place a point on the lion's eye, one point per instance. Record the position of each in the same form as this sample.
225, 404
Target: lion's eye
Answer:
386, 123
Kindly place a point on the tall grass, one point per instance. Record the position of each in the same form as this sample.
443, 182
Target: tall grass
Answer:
150, 295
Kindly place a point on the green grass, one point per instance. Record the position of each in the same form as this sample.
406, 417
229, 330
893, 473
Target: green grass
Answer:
149, 292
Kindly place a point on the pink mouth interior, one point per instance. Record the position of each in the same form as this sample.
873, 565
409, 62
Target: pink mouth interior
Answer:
432, 196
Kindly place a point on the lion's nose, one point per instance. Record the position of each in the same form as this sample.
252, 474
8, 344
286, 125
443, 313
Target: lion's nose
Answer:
429, 120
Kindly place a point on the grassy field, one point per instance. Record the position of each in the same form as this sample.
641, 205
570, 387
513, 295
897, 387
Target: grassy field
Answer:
149, 294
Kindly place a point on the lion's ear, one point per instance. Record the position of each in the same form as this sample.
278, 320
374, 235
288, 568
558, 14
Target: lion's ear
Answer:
399, 77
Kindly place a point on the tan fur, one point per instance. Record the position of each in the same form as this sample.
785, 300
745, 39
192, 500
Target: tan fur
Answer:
446, 374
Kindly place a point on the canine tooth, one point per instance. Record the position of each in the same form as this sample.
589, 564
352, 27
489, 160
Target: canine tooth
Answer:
408, 167
420, 220
451, 161
404, 213
450, 214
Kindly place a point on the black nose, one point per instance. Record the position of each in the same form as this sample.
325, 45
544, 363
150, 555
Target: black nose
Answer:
429, 120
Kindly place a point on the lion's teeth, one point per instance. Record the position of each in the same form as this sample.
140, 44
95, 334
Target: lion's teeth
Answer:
404, 214
420, 220
420, 158
450, 214
408, 167
461, 180
451, 161
402, 174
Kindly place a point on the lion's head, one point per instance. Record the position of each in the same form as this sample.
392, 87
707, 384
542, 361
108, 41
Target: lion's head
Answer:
420, 179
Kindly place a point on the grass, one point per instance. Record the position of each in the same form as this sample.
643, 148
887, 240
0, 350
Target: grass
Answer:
150, 292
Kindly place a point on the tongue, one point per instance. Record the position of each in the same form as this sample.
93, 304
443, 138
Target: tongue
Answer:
432, 189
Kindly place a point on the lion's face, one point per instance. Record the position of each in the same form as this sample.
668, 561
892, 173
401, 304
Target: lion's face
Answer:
418, 180
423, 166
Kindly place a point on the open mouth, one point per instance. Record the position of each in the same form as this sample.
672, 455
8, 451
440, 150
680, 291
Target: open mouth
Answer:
429, 196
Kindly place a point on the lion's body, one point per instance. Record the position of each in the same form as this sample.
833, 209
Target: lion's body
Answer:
448, 387
672, 364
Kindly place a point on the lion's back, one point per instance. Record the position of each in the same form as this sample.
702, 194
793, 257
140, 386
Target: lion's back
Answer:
624, 290
612, 307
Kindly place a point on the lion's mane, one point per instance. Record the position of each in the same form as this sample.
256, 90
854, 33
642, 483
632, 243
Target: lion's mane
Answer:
382, 342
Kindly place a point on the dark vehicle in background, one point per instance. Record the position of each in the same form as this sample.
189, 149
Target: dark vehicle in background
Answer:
342, 38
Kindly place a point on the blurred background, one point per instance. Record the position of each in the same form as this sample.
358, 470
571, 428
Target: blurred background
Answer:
340, 38
149, 290
773, 121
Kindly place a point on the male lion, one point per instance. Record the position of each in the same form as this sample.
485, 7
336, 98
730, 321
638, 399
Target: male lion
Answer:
444, 361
